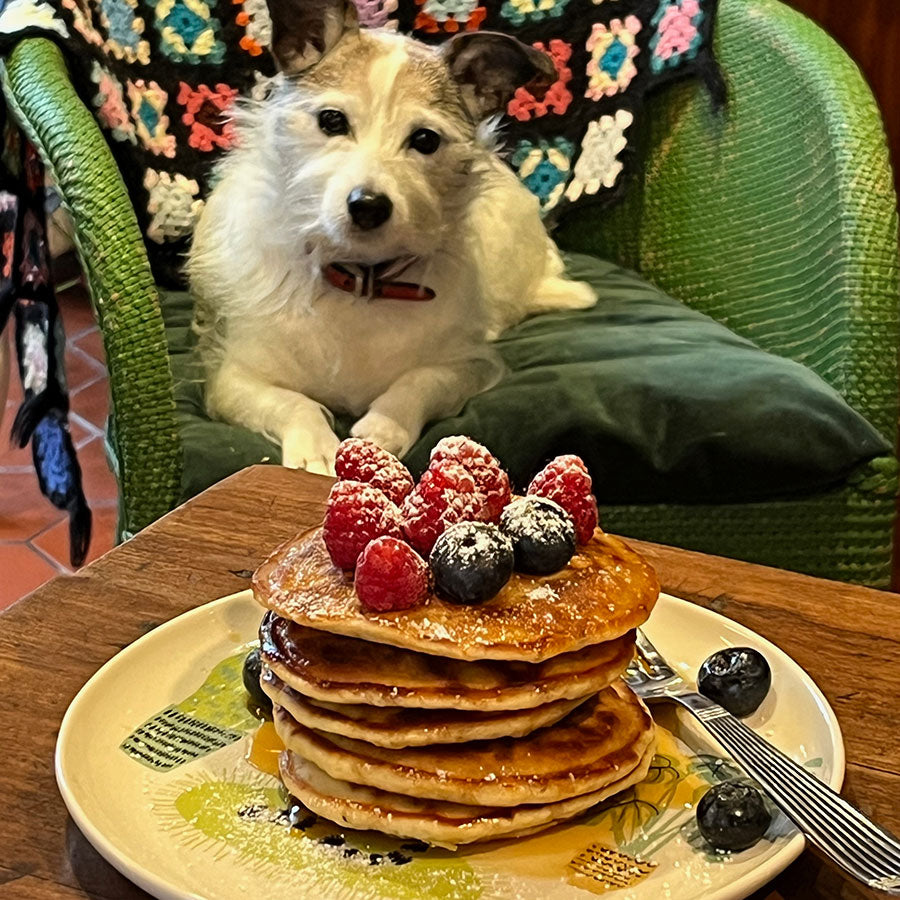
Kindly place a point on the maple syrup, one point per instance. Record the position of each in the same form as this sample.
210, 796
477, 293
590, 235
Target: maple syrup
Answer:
265, 748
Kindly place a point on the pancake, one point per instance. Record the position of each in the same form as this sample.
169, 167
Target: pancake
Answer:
586, 751
339, 669
434, 821
605, 591
396, 727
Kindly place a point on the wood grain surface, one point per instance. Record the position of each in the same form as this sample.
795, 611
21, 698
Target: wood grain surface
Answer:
847, 638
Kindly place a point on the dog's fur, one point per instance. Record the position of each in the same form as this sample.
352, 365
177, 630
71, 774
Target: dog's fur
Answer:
281, 347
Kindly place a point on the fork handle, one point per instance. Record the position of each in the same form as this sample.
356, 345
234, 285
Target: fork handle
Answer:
839, 830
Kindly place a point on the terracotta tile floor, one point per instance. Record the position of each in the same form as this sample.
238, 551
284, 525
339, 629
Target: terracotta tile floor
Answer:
34, 542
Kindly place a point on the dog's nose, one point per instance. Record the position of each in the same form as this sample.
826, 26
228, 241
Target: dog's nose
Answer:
367, 209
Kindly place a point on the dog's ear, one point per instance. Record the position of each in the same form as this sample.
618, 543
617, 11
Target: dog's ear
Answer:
303, 31
489, 66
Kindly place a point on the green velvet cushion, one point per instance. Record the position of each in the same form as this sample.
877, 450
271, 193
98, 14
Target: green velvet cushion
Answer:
663, 403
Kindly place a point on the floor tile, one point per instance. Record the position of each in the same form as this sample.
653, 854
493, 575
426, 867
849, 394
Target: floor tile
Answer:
65, 268
81, 369
12, 458
24, 510
92, 402
14, 395
55, 541
82, 430
24, 569
92, 343
96, 476
75, 308
18, 459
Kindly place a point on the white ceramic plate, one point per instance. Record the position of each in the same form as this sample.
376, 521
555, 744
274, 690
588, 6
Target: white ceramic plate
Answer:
195, 820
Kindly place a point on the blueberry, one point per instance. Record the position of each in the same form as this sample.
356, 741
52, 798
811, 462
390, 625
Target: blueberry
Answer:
251, 673
471, 561
737, 678
732, 816
542, 532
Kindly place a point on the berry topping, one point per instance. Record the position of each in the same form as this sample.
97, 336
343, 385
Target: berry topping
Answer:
451, 476
356, 514
542, 533
737, 678
390, 575
440, 499
732, 816
566, 481
471, 561
490, 479
252, 671
359, 460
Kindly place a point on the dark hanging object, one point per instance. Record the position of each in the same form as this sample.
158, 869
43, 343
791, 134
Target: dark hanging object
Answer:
26, 294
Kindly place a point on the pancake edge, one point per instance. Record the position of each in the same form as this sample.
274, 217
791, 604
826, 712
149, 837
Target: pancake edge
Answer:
417, 736
348, 813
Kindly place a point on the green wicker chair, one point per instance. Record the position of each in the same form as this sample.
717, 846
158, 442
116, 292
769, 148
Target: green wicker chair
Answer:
778, 219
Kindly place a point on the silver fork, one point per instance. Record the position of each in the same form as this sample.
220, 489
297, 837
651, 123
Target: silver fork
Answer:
839, 830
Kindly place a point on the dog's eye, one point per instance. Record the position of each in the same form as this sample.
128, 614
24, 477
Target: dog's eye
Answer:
424, 140
333, 122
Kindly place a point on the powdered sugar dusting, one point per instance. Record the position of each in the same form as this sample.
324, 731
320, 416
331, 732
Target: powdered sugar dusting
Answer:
523, 518
469, 543
542, 592
301, 583
360, 460
356, 513
490, 479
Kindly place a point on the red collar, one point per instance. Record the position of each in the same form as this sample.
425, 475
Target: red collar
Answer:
376, 282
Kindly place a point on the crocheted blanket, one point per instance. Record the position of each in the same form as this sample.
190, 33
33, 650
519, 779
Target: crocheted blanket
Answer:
162, 76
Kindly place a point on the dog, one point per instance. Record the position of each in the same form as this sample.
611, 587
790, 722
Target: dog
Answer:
364, 244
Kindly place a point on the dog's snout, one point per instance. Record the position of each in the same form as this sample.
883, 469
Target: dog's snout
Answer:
368, 209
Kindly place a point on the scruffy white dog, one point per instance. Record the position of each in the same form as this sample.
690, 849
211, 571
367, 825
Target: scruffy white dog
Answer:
364, 244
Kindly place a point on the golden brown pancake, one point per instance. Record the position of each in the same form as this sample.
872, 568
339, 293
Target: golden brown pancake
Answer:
397, 727
339, 669
585, 752
435, 821
605, 591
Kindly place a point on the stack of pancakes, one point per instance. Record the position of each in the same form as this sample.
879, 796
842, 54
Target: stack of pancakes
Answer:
452, 724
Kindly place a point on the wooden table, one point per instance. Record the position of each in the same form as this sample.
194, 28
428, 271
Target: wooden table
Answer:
847, 638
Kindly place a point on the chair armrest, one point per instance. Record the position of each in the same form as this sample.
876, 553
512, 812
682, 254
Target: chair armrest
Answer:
145, 439
777, 217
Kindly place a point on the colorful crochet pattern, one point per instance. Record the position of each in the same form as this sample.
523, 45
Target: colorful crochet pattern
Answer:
163, 76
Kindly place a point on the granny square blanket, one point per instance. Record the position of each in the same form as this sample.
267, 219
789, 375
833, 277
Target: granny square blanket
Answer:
163, 75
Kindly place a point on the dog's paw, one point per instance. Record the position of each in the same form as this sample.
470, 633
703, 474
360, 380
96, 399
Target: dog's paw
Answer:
583, 295
384, 431
312, 449
562, 293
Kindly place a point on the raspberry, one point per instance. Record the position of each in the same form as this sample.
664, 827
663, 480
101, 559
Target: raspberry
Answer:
451, 476
490, 479
390, 575
566, 481
440, 499
356, 514
359, 460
